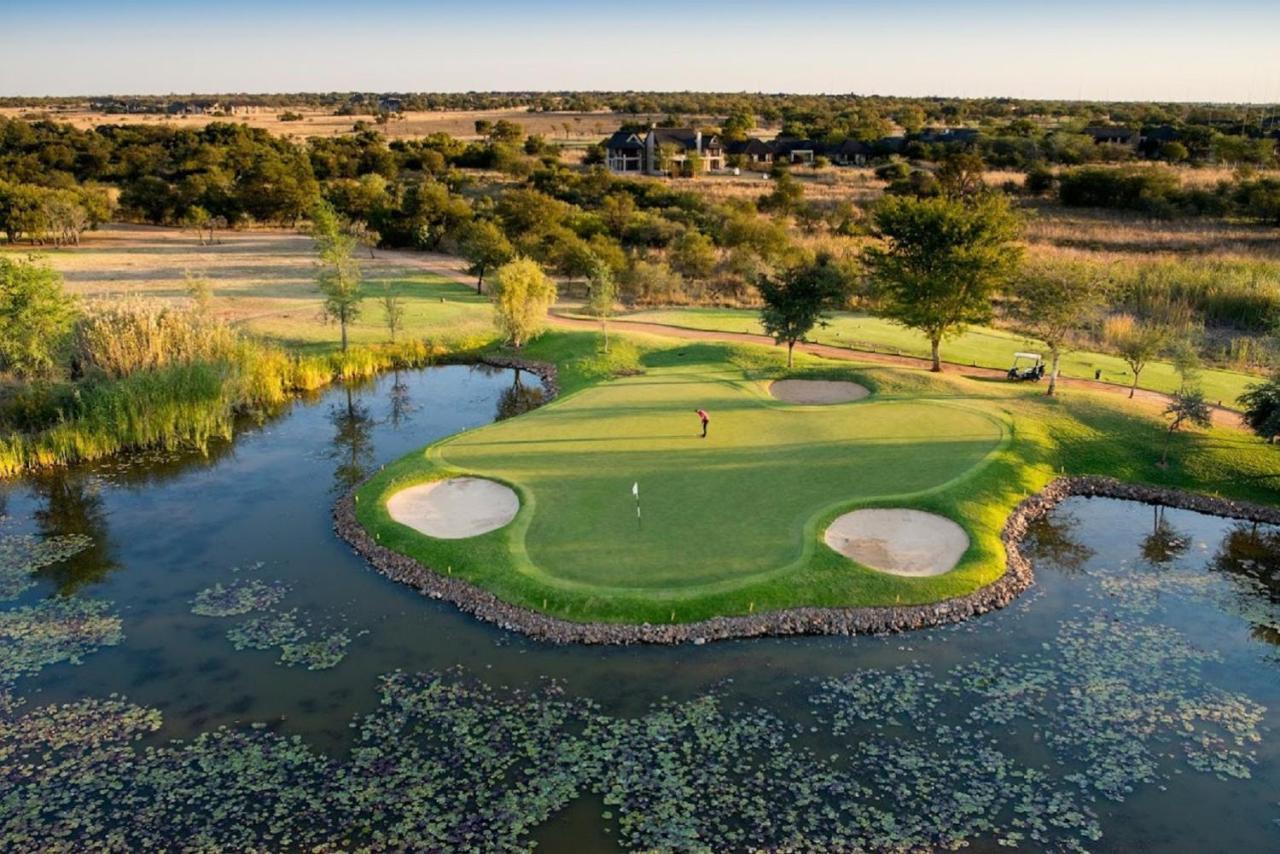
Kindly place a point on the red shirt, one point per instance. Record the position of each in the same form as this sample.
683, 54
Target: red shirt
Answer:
702, 413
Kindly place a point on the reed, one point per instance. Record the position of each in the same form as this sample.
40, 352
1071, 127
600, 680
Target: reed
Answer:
139, 394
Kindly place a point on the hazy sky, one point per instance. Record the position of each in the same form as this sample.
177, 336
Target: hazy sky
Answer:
1225, 51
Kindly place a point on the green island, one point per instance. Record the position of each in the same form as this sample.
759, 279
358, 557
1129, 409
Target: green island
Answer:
733, 525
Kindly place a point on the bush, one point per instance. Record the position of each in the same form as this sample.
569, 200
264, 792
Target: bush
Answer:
123, 337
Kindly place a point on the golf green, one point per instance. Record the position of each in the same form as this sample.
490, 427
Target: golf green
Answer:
715, 512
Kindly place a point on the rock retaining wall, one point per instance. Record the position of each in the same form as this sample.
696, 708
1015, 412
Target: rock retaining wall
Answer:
792, 621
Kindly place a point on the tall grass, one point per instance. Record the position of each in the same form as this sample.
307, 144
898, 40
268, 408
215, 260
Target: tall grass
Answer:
170, 379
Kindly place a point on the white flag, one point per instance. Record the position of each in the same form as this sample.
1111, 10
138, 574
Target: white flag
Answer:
635, 489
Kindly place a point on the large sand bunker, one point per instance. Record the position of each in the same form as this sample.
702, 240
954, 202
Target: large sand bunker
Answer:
455, 508
899, 541
817, 391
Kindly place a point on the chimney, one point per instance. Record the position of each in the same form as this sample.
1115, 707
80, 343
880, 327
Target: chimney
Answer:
697, 141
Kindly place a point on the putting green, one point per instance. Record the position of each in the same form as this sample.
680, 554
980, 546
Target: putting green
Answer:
717, 512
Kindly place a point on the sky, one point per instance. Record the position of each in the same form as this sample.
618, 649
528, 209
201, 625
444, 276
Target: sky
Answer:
1139, 50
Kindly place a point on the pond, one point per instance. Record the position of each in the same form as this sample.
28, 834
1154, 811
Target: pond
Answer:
197, 656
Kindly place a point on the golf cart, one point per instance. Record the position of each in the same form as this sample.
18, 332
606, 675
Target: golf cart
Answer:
1027, 367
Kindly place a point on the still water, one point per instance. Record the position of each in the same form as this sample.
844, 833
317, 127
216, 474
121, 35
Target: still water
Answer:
244, 679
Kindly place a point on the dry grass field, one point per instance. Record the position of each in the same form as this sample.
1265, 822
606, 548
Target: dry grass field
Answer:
565, 128
264, 281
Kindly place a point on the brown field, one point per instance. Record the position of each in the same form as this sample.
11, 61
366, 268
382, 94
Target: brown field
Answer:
583, 128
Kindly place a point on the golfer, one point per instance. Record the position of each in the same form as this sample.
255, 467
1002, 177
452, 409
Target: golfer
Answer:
705, 418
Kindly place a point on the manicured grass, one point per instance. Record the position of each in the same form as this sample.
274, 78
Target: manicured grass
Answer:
982, 346
733, 525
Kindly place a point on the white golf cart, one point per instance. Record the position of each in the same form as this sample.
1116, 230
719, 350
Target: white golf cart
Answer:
1027, 367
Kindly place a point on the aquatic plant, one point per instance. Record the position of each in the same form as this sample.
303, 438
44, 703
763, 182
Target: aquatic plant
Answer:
23, 555
239, 597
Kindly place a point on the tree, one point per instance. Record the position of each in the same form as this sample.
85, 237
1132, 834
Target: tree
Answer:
1055, 302
339, 276
800, 299
693, 255
485, 247
392, 311
787, 195
1187, 406
36, 317
960, 176
364, 235
1137, 343
1261, 402
522, 295
604, 293
940, 262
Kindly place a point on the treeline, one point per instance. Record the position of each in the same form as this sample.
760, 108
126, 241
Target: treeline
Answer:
1160, 192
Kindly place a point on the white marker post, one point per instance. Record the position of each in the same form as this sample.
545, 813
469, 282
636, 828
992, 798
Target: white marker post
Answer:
635, 490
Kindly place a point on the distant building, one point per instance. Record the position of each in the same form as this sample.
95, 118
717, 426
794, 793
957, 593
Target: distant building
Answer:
1112, 135
791, 150
851, 152
754, 152
661, 150
391, 105
625, 152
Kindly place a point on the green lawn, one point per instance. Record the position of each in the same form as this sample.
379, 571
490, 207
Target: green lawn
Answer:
733, 525
982, 346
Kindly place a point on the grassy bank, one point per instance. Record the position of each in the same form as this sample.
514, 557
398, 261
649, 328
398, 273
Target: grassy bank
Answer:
573, 551
981, 346
181, 405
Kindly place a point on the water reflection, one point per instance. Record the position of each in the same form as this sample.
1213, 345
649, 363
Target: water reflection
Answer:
1164, 544
72, 504
1054, 539
519, 398
1252, 551
402, 407
352, 443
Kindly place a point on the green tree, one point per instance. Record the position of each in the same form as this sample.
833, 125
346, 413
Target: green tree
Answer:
485, 247
392, 310
1054, 303
800, 299
1261, 402
603, 296
522, 294
960, 176
36, 317
1135, 342
1187, 406
339, 276
940, 262
693, 255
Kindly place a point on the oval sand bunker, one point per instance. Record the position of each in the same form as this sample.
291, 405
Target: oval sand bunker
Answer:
817, 391
899, 541
455, 508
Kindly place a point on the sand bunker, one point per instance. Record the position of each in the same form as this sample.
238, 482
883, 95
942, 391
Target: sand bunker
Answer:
817, 391
455, 508
898, 541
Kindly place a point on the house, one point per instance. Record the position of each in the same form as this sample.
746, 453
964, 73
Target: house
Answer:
667, 149
1109, 135
390, 105
624, 152
662, 150
851, 152
754, 152
950, 136
791, 150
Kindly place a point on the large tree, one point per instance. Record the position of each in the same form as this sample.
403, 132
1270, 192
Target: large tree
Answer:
941, 261
522, 295
339, 275
800, 298
1055, 302
485, 247
36, 316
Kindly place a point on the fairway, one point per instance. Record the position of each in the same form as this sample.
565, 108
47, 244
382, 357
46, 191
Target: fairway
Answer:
716, 512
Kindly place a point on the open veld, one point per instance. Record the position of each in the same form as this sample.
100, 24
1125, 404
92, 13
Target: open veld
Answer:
581, 127
733, 524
